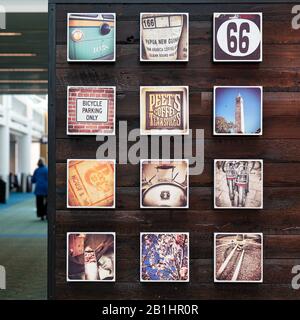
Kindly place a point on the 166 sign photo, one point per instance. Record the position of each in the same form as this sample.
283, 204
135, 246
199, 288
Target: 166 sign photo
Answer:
237, 37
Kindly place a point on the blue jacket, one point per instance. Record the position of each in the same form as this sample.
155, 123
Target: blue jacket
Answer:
40, 177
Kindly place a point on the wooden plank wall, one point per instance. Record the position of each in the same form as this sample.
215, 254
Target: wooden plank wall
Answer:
279, 147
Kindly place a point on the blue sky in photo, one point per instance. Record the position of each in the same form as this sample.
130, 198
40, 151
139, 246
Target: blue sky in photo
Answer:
225, 105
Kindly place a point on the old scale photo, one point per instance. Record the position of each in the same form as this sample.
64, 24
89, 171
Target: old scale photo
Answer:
164, 184
104, 111
91, 257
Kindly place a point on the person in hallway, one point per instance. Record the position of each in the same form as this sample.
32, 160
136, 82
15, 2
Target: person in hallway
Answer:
40, 178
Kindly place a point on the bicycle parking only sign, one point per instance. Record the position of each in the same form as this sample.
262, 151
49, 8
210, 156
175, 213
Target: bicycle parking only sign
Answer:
237, 37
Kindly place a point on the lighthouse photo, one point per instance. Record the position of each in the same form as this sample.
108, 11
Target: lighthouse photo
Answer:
238, 110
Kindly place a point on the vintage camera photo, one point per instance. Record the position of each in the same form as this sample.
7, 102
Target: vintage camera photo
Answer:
90, 183
164, 110
238, 110
238, 184
91, 37
91, 256
164, 37
164, 257
238, 257
91, 110
164, 184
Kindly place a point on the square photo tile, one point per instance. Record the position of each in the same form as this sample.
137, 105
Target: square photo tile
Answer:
238, 257
238, 110
164, 37
164, 257
164, 110
91, 110
91, 256
164, 184
90, 183
238, 184
237, 37
91, 37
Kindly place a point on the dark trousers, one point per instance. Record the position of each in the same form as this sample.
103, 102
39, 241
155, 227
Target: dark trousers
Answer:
41, 206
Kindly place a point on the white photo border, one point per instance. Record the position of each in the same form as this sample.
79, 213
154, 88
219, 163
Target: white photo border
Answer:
261, 261
238, 134
165, 13
188, 254
93, 207
67, 257
262, 184
96, 61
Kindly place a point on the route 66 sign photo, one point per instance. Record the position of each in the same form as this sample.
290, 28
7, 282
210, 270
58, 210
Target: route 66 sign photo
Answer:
237, 37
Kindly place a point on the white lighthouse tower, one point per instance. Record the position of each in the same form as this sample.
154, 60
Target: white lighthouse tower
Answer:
239, 115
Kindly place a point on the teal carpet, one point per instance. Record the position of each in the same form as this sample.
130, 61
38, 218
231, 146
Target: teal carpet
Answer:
23, 249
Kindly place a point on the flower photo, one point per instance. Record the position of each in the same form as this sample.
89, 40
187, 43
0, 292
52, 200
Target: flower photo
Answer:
164, 257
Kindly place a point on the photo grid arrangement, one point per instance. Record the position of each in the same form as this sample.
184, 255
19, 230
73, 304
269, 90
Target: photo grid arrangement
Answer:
164, 183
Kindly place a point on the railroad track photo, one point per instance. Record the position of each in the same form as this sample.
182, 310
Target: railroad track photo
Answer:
238, 257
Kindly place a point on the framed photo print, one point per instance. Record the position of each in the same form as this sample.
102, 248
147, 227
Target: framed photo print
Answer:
164, 37
91, 183
91, 257
91, 110
91, 37
164, 257
237, 37
238, 110
238, 184
164, 184
164, 110
238, 257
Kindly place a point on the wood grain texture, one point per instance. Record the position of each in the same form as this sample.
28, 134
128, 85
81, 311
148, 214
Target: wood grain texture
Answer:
279, 147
